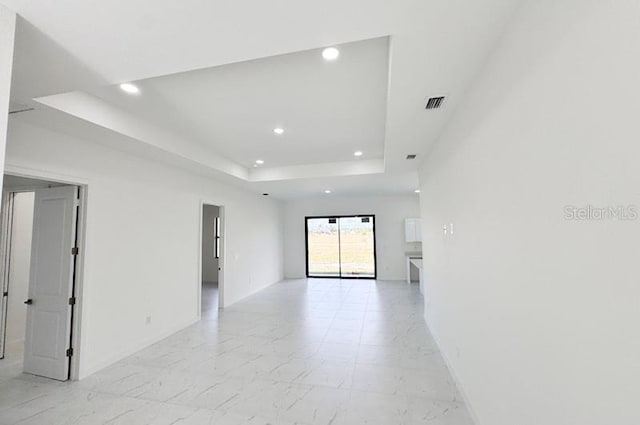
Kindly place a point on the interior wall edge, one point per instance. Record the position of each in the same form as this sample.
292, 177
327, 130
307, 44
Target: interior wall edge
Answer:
108, 361
446, 356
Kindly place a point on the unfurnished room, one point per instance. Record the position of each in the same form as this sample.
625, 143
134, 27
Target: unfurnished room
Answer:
345, 212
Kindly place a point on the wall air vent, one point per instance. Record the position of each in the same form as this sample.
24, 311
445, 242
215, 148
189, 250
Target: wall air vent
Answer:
411, 156
434, 102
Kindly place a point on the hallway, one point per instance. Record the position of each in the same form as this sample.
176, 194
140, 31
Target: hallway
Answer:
320, 351
209, 303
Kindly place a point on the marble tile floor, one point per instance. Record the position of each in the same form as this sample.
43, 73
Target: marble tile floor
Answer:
307, 352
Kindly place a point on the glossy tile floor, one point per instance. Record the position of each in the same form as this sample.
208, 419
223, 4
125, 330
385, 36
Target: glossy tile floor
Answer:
325, 352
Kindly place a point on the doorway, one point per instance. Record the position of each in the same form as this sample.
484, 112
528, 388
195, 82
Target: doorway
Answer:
212, 243
341, 246
40, 252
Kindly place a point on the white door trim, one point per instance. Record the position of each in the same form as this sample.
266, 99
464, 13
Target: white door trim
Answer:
221, 260
5, 255
40, 174
80, 290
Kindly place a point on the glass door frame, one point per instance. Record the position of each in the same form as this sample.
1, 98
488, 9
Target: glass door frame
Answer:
338, 217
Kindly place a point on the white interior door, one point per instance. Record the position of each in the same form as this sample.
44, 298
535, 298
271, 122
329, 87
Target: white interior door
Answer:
51, 283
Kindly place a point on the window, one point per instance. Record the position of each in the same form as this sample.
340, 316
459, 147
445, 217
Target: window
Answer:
216, 236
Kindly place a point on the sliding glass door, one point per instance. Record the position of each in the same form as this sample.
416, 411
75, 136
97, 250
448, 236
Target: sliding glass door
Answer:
323, 247
341, 246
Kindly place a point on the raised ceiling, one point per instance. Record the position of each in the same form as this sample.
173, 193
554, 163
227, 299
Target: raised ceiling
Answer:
70, 53
328, 109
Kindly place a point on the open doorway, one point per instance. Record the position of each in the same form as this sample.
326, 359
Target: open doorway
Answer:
40, 259
211, 260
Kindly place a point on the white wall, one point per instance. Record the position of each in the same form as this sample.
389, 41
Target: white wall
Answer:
539, 315
21, 231
139, 264
209, 261
390, 212
7, 37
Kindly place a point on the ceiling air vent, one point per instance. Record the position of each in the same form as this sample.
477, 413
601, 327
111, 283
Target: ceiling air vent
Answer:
412, 156
434, 102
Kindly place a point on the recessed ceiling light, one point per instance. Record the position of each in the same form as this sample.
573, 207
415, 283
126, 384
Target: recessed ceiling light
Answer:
358, 153
259, 161
129, 88
417, 191
278, 130
330, 53
327, 191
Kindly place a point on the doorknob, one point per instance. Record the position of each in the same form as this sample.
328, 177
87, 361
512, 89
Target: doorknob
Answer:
29, 301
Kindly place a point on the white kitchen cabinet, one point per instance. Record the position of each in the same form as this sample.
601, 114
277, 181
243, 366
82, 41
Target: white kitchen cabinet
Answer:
412, 230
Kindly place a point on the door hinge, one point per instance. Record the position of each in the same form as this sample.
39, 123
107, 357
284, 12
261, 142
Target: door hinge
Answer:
72, 301
75, 250
69, 352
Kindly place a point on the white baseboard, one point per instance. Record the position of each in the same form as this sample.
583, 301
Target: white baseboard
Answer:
86, 371
453, 373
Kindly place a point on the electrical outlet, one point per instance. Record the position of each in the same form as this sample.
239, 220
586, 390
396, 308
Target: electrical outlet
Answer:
148, 320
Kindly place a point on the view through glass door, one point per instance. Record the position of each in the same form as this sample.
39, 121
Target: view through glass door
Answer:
341, 246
